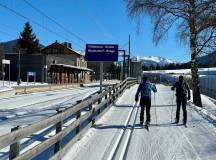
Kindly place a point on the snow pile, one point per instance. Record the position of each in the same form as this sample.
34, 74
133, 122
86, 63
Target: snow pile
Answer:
209, 108
151, 60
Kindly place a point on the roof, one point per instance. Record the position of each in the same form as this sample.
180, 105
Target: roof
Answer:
56, 42
73, 67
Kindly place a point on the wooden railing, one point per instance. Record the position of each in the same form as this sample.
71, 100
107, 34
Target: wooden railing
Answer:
94, 106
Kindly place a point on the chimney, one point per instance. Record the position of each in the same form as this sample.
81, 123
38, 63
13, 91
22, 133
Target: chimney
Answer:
67, 44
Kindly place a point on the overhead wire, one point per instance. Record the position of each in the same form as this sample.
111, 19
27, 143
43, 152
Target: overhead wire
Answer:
54, 21
38, 24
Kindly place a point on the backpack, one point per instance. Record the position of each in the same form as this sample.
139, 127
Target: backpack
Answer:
181, 89
146, 90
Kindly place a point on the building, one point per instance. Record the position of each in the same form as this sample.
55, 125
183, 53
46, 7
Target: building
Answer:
136, 69
65, 65
57, 63
33, 63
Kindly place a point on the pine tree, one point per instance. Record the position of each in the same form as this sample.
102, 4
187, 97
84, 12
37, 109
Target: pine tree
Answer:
28, 40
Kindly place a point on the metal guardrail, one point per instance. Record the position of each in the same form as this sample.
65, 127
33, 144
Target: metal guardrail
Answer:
105, 98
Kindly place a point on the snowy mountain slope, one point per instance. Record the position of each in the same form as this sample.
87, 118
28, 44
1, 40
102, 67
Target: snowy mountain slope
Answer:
151, 60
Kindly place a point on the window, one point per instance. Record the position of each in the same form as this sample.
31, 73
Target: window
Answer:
55, 51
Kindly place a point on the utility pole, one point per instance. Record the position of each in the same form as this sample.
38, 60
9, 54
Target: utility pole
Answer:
124, 63
18, 79
129, 67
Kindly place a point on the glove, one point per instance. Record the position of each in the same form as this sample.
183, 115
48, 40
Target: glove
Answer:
188, 98
172, 88
136, 99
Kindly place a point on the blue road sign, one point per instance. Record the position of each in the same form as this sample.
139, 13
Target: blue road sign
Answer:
101, 52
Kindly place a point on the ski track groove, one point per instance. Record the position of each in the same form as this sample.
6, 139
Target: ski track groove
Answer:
120, 136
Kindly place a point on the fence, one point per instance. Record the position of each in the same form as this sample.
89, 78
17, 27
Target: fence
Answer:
102, 102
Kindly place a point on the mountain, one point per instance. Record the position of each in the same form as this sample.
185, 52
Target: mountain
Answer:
10, 45
151, 60
207, 59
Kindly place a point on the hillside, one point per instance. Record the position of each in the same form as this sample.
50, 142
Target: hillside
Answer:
10, 45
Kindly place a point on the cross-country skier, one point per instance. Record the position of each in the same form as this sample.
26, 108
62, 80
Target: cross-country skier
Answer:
145, 89
182, 94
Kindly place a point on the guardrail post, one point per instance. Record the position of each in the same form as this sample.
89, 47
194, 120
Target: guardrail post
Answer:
15, 147
91, 108
120, 87
106, 95
110, 95
78, 116
99, 101
113, 93
57, 146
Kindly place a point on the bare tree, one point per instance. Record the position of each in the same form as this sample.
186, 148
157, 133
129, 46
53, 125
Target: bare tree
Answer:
196, 23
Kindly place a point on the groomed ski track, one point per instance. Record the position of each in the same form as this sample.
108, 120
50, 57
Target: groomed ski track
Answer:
118, 135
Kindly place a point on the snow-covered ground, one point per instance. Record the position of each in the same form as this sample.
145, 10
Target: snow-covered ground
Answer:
7, 86
14, 83
26, 109
117, 135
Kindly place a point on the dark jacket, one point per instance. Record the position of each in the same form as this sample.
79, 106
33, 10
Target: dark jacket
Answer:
182, 89
145, 89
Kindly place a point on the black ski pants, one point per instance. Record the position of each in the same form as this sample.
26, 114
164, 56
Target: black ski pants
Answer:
145, 103
181, 101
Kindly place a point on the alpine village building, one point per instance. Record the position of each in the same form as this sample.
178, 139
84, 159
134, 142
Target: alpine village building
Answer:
66, 65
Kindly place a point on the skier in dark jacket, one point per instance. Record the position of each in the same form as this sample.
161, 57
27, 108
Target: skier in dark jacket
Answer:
182, 94
145, 89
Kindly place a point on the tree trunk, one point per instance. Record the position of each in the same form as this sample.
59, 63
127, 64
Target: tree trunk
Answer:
194, 67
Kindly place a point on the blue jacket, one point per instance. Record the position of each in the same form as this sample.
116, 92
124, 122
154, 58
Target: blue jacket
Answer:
145, 89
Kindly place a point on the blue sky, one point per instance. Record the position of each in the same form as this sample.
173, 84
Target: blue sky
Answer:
95, 21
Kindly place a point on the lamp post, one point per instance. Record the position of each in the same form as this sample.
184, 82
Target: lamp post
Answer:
19, 63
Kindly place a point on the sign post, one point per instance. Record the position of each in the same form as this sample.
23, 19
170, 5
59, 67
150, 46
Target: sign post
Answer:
101, 75
31, 74
101, 53
4, 61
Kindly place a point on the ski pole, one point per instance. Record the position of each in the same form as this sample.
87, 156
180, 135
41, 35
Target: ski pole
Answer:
172, 105
155, 109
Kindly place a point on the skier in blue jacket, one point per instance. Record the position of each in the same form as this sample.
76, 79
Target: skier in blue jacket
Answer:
144, 90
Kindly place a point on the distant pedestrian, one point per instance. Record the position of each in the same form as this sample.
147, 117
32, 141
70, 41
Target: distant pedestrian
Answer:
182, 95
144, 90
